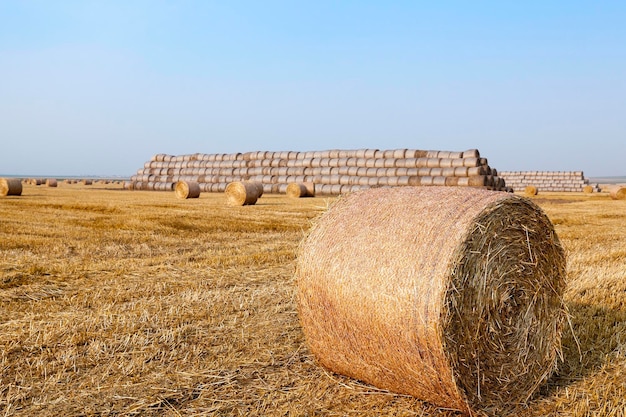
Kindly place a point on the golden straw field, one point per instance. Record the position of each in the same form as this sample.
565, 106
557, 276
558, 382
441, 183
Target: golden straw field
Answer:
138, 303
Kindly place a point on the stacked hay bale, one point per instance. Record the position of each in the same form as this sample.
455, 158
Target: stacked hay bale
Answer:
559, 181
332, 171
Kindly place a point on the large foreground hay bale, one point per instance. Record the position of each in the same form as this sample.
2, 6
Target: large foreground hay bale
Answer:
187, 189
617, 193
242, 193
460, 305
10, 186
299, 190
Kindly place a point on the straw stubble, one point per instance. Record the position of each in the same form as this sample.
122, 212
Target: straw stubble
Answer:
459, 305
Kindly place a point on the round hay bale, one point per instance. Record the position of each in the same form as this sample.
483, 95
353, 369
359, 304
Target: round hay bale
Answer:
399, 153
617, 193
242, 193
52, 182
478, 181
259, 187
10, 186
471, 153
460, 306
530, 190
414, 181
187, 189
300, 190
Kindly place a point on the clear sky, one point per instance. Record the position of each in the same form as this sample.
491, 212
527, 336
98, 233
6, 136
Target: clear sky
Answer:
98, 87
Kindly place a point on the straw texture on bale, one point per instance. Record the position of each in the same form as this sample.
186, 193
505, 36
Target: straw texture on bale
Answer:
187, 189
299, 190
10, 186
241, 193
530, 190
618, 193
259, 188
460, 306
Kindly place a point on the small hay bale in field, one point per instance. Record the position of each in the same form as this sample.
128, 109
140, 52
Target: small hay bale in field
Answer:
10, 186
460, 306
187, 189
51, 182
299, 190
86, 182
587, 189
259, 188
530, 190
617, 193
242, 193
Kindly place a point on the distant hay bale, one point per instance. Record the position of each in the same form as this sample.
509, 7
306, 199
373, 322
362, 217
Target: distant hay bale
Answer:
187, 189
242, 193
10, 186
471, 153
587, 189
530, 190
86, 182
299, 190
51, 182
259, 188
617, 193
460, 306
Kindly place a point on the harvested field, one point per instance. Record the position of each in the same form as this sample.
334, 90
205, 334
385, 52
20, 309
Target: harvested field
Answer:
115, 302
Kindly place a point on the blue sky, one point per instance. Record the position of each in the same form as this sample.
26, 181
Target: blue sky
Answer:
98, 87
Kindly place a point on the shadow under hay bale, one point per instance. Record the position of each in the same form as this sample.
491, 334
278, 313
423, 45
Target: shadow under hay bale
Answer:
460, 305
10, 186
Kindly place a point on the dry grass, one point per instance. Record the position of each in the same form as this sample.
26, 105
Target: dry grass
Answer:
133, 303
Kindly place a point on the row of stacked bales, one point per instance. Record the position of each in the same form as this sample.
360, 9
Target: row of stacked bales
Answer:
332, 171
557, 181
